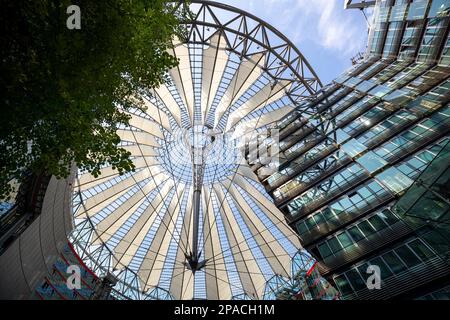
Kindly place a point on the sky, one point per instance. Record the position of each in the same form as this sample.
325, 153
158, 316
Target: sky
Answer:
326, 34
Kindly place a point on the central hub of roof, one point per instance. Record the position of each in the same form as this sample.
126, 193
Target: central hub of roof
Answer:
199, 137
198, 145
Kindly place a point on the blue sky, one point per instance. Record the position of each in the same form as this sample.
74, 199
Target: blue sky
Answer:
325, 33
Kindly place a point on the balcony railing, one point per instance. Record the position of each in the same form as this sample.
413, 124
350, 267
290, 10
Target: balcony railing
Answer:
364, 247
412, 278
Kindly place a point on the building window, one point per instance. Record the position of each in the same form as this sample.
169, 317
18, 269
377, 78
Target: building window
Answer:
345, 240
432, 39
395, 180
324, 250
417, 10
408, 256
343, 285
421, 249
353, 148
398, 13
356, 234
445, 60
356, 280
388, 217
439, 8
394, 263
372, 162
384, 269
367, 228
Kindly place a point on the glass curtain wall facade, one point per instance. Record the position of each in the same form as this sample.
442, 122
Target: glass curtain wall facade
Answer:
377, 128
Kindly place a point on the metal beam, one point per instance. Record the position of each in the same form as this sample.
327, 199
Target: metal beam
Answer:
349, 4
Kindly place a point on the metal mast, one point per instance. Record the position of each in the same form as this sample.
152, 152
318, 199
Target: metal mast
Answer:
201, 142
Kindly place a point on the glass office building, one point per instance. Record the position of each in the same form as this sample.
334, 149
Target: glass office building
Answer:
364, 179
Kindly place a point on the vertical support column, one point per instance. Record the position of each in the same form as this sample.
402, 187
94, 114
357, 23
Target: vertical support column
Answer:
196, 213
200, 146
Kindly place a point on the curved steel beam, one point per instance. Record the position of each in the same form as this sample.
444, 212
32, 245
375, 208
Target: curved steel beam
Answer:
290, 57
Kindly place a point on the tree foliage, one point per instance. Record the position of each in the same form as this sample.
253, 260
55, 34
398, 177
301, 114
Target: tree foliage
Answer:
61, 87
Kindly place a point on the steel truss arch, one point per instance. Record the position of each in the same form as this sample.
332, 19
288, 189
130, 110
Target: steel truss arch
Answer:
247, 35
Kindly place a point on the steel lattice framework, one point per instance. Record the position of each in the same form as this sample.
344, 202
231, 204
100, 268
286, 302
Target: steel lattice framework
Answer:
186, 200
247, 35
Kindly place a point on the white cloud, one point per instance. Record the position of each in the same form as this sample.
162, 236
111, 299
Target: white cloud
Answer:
323, 22
321, 29
330, 26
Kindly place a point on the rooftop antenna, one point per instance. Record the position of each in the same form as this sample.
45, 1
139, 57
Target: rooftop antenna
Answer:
361, 5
